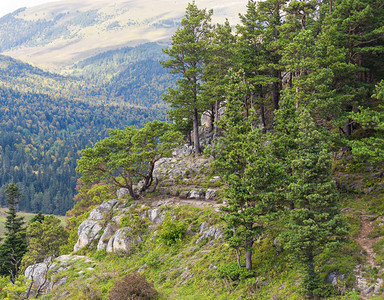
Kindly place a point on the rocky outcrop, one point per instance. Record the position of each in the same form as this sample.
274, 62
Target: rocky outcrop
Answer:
156, 216
109, 231
123, 241
89, 231
209, 233
100, 212
46, 276
170, 169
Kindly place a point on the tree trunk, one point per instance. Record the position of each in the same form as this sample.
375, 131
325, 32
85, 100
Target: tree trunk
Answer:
248, 259
196, 141
276, 91
213, 116
217, 118
238, 257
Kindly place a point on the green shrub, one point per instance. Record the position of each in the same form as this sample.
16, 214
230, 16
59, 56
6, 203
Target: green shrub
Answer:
232, 271
172, 230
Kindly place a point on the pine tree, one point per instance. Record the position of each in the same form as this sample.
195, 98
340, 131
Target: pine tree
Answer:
219, 63
252, 175
316, 221
188, 54
14, 245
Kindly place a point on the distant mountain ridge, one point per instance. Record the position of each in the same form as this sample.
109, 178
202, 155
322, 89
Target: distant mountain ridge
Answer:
59, 34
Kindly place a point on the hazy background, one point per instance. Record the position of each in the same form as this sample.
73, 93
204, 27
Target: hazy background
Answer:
9, 6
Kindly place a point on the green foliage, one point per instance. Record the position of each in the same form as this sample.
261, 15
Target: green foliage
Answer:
128, 156
188, 54
234, 272
316, 222
252, 175
172, 231
14, 246
13, 291
45, 240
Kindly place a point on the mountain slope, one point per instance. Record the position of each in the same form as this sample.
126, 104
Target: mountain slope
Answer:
59, 34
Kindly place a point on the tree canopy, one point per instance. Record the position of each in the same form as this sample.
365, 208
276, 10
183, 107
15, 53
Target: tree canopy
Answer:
127, 157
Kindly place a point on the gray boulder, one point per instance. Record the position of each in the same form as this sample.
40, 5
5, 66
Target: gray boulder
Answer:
122, 192
196, 194
210, 233
108, 232
210, 194
37, 273
156, 216
98, 213
123, 241
88, 232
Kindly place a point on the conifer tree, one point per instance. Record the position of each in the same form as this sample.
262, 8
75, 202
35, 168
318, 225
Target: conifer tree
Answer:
252, 175
188, 54
220, 61
14, 245
316, 221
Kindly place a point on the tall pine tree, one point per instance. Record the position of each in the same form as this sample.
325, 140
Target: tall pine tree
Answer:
14, 245
189, 53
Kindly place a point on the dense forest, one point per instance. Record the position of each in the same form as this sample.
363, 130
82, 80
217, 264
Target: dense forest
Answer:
48, 118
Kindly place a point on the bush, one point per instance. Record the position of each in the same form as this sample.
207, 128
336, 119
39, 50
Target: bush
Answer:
172, 231
232, 271
133, 286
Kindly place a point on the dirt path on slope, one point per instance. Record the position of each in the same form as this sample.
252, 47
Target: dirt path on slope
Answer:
366, 243
363, 239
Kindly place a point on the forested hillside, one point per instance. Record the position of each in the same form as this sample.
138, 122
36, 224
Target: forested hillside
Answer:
48, 118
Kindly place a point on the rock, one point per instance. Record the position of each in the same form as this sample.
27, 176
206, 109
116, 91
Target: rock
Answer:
196, 194
184, 195
98, 213
108, 232
368, 190
141, 269
156, 216
214, 179
369, 290
88, 232
185, 150
37, 273
206, 119
211, 232
123, 241
345, 210
203, 227
122, 192
377, 175
210, 194
277, 245
61, 281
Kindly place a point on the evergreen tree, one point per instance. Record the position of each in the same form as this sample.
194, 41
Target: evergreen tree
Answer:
14, 245
316, 221
252, 175
220, 61
188, 54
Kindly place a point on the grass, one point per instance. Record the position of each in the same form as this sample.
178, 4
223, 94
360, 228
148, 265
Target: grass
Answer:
26, 216
185, 270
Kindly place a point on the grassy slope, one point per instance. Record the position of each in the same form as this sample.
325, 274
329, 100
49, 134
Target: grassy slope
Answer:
208, 270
